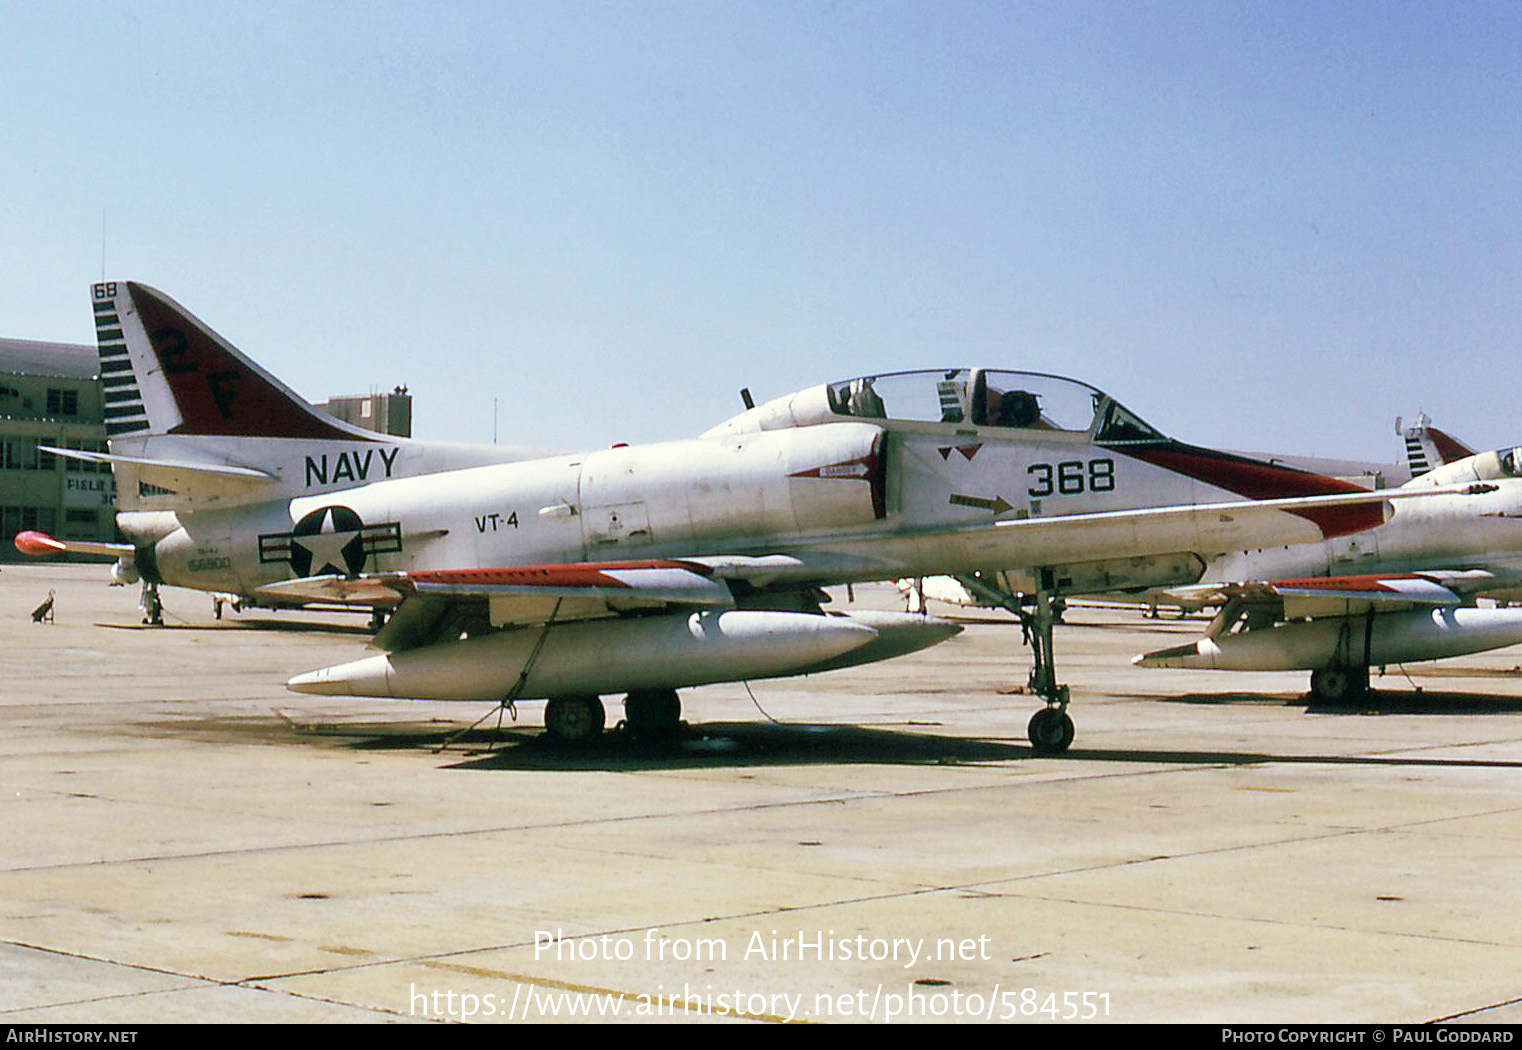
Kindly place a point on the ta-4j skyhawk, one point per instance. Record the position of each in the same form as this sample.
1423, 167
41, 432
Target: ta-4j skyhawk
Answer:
1402, 592
645, 569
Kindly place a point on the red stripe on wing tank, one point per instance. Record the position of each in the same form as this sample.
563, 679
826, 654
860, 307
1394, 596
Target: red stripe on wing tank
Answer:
1388, 583
1253, 479
576, 574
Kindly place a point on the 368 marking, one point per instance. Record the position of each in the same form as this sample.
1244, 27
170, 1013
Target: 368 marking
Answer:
1071, 477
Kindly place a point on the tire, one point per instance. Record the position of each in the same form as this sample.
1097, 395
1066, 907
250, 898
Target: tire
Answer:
574, 719
653, 713
1050, 731
1338, 685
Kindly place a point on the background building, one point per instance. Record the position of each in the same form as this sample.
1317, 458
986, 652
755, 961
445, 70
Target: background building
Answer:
50, 396
384, 413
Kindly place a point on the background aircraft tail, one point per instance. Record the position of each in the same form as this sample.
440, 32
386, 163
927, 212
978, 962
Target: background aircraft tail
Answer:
1428, 447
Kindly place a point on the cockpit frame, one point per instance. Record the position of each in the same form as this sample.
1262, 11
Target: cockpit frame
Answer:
1006, 399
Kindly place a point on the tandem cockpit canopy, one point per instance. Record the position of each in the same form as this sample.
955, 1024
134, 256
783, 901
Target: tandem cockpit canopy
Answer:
1510, 462
961, 398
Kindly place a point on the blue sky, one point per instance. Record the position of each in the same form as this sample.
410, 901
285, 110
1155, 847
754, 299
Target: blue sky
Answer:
1261, 226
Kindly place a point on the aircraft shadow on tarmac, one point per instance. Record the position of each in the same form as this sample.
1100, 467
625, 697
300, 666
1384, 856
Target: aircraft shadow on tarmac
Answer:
705, 745
1376, 702
488, 746
245, 624
745, 744
717, 745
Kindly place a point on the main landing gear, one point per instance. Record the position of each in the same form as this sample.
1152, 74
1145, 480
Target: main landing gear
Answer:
649, 714
1051, 729
1339, 684
653, 714
574, 719
1346, 679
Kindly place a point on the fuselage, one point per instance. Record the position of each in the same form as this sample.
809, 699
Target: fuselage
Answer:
868, 489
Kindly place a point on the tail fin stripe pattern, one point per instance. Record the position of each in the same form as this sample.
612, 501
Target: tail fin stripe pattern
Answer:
1416, 456
125, 412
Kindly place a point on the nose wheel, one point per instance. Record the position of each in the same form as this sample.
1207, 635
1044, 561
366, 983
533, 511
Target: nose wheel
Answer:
1050, 730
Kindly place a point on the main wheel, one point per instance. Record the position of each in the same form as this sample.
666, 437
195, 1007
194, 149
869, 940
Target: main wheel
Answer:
1338, 685
653, 712
574, 719
1050, 731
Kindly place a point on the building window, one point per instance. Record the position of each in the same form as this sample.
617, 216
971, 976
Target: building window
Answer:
19, 454
63, 402
80, 466
16, 519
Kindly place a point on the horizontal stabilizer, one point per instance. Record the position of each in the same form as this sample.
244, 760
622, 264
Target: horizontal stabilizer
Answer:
191, 481
225, 471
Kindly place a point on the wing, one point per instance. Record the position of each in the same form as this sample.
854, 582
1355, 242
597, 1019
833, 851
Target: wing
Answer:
431, 604
1204, 529
1345, 621
1350, 595
435, 603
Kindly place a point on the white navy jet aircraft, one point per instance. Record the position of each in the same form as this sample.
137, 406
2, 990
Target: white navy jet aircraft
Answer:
1399, 593
645, 569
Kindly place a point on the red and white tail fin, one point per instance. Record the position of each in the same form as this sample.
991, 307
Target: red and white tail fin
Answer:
193, 423
164, 372
1428, 447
